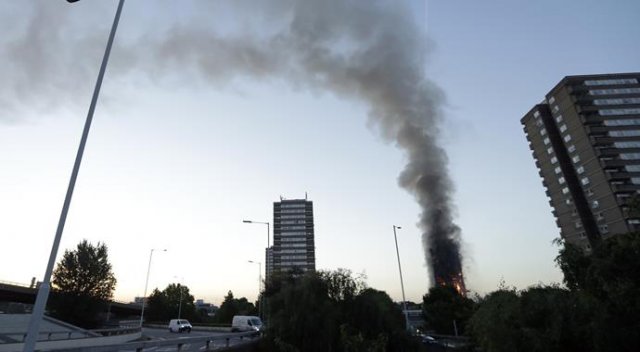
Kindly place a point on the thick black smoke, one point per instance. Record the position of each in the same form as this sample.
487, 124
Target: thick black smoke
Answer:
372, 51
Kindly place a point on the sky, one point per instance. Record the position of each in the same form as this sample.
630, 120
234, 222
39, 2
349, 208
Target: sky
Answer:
203, 122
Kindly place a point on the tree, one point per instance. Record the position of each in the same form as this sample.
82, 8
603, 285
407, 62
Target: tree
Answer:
609, 278
442, 306
332, 311
232, 306
167, 304
82, 282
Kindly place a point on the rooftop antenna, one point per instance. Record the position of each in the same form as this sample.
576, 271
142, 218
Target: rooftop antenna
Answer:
305, 196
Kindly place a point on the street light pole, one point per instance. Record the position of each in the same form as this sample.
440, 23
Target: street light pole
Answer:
146, 283
263, 223
181, 290
43, 291
404, 301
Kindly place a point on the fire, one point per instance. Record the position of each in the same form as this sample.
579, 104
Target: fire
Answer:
456, 281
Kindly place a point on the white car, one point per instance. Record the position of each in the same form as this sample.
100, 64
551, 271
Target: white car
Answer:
179, 325
246, 323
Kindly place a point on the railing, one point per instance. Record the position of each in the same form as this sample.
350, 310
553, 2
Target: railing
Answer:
205, 341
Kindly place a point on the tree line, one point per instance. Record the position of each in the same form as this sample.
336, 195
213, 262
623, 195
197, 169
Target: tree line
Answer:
597, 308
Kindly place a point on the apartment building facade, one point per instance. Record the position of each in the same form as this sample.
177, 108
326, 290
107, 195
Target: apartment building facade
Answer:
585, 139
293, 235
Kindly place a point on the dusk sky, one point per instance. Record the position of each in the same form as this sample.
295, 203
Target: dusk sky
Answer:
205, 120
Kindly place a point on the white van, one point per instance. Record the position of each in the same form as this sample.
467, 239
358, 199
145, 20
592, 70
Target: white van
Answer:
246, 323
179, 325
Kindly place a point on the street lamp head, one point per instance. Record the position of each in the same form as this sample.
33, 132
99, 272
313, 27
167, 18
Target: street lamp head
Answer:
397, 227
247, 221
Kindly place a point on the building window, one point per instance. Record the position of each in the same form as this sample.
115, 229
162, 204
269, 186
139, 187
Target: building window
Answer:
543, 131
614, 91
565, 190
635, 180
574, 212
568, 201
622, 122
633, 222
567, 138
554, 160
604, 229
552, 100
576, 159
608, 82
557, 170
559, 118
632, 168
631, 144
589, 192
536, 114
538, 122
584, 181
582, 234
546, 141
556, 108
580, 169
618, 101
578, 224
563, 128
629, 156
599, 216
549, 150
561, 180
628, 111
625, 133
571, 148
595, 204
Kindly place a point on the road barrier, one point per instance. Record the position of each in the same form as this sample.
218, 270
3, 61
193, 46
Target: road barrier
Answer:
206, 341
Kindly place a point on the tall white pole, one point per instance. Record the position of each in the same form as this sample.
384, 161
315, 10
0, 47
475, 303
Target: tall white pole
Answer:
43, 291
146, 283
404, 301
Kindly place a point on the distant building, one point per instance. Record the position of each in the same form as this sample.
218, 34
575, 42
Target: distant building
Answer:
269, 260
585, 138
205, 308
138, 300
293, 236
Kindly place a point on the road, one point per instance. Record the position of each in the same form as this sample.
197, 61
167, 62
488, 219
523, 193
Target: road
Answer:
163, 334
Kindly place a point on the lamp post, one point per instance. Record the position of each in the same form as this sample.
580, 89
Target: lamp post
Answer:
43, 291
146, 283
404, 301
181, 290
259, 284
263, 223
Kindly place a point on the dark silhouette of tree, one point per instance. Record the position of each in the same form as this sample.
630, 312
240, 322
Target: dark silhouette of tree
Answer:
165, 305
332, 311
82, 283
442, 306
232, 306
598, 311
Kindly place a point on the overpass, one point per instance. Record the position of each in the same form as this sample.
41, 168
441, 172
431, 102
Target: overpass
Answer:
18, 293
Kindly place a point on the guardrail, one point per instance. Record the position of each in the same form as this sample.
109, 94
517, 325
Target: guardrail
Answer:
69, 335
205, 341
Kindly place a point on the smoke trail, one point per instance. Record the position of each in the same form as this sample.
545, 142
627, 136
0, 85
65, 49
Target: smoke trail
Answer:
366, 50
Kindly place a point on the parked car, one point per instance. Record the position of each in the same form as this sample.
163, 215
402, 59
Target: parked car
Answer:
246, 323
179, 325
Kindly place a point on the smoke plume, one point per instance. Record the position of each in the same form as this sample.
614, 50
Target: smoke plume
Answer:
371, 51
